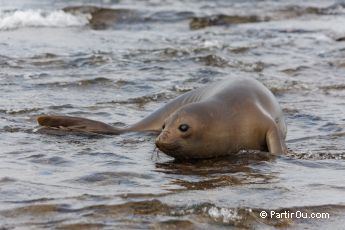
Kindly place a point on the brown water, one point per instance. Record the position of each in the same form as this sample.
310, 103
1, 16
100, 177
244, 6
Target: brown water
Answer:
119, 60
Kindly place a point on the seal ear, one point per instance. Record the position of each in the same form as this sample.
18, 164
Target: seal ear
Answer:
77, 124
274, 142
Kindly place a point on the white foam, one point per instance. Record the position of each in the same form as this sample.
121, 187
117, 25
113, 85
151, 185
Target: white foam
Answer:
39, 18
226, 215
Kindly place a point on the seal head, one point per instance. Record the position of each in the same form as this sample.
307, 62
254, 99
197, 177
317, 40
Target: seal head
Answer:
185, 134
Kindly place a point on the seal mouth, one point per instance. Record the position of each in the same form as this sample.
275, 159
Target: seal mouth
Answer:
168, 147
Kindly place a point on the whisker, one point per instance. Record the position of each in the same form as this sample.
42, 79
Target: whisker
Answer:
155, 154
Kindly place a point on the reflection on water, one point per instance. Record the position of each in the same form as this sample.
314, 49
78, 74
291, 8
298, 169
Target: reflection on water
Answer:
116, 61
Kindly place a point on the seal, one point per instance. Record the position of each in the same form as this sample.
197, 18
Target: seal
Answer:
215, 120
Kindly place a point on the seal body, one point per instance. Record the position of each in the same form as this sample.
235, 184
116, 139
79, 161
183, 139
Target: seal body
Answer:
216, 120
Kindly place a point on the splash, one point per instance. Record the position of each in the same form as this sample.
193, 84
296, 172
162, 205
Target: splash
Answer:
10, 20
225, 215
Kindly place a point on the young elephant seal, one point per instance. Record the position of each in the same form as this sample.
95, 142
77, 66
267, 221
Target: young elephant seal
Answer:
219, 119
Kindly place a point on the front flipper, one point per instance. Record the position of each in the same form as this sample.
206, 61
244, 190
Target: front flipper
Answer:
274, 141
78, 124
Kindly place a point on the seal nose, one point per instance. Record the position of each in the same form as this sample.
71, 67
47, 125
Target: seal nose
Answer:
166, 143
157, 142
161, 140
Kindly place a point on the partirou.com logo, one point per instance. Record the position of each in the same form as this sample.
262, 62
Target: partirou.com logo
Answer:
293, 215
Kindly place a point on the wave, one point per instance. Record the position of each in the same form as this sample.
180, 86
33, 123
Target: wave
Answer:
10, 20
148, 210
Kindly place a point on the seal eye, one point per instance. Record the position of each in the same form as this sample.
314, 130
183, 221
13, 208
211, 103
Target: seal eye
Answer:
163, 127
183, 128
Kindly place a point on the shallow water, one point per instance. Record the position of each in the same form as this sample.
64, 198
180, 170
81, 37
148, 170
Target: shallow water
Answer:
119, 60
